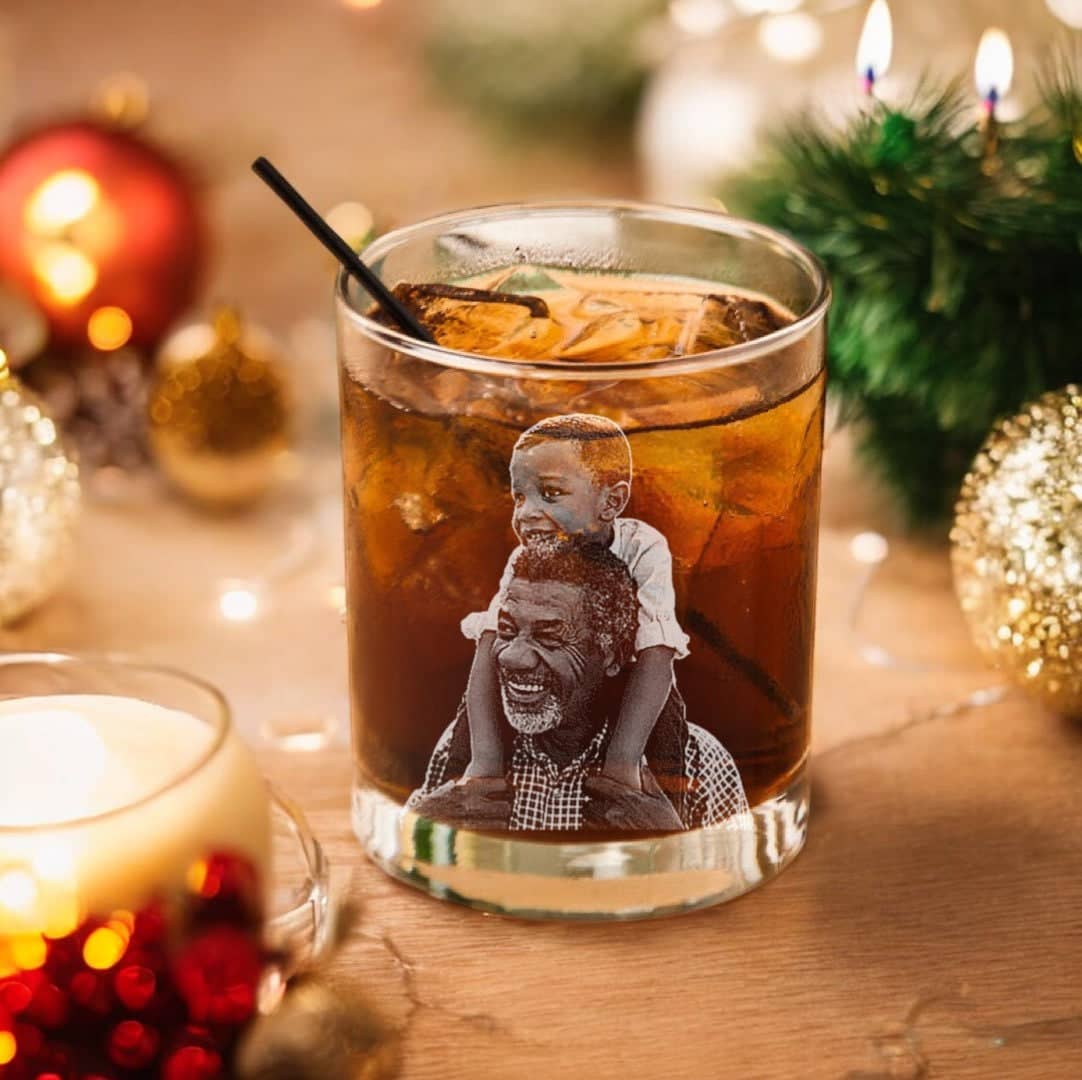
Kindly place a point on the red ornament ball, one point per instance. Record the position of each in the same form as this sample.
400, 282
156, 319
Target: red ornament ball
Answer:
101, 230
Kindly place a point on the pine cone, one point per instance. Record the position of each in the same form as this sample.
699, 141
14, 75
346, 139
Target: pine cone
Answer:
99, 399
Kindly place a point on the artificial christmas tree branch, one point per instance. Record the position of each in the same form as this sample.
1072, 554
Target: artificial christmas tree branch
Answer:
956, 268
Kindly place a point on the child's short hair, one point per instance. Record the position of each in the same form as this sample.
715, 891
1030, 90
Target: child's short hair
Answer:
603, 447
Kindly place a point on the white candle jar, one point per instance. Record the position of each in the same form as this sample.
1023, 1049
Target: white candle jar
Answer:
140, 925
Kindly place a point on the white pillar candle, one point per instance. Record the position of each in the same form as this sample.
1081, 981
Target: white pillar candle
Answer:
106, 802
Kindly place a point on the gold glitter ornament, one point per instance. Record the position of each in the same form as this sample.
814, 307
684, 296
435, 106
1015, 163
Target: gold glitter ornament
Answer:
220, 412
1017, 549
39, 500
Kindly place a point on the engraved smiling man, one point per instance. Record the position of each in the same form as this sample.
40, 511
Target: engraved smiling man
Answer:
566, 632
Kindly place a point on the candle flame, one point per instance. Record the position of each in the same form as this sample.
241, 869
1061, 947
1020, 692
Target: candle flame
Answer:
994, 68
876, 42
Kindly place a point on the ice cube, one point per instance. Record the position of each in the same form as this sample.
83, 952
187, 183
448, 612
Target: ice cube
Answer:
482, 321
612, 334
591, 305
536, 338
608, 337
420, 512
721, 321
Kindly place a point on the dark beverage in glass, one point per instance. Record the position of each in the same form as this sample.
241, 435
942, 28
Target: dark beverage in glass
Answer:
581, 541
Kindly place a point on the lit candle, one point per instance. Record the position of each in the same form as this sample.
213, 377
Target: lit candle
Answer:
875, 45
993, 72
994, 69
107, 802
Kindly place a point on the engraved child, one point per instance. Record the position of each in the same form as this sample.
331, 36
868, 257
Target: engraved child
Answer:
571, 480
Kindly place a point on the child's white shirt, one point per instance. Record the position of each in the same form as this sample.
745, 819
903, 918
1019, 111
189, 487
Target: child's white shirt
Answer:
645, 552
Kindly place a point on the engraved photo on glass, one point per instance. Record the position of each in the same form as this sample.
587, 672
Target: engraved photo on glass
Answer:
581, 538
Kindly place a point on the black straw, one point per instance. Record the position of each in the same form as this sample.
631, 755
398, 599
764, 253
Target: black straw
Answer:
339, 248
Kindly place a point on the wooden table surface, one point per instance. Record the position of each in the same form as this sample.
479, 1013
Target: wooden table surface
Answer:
933, 925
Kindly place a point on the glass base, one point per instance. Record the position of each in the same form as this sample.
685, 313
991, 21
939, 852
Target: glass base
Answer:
633, 879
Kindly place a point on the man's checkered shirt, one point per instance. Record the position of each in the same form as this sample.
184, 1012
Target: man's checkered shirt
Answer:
549, 797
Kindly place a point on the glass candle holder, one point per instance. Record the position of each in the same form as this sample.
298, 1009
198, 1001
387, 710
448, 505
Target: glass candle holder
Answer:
140, 922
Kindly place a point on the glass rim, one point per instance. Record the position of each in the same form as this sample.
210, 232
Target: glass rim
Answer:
223, 726
709, 220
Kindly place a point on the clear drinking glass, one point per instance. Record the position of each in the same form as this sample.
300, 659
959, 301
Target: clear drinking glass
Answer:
716, 510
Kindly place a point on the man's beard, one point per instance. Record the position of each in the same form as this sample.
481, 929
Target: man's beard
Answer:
534, 718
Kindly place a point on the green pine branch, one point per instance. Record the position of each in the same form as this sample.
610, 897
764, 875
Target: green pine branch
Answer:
956, 274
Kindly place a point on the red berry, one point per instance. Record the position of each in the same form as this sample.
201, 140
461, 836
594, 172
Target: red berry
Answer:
16, 994
135, 985
49, 1008
227, 889
150, 925
90, 990
132, 1045
193, 1063
217, 974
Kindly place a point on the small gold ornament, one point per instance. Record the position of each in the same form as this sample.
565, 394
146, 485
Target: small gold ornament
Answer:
220, 412
1017, 549
39, 500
